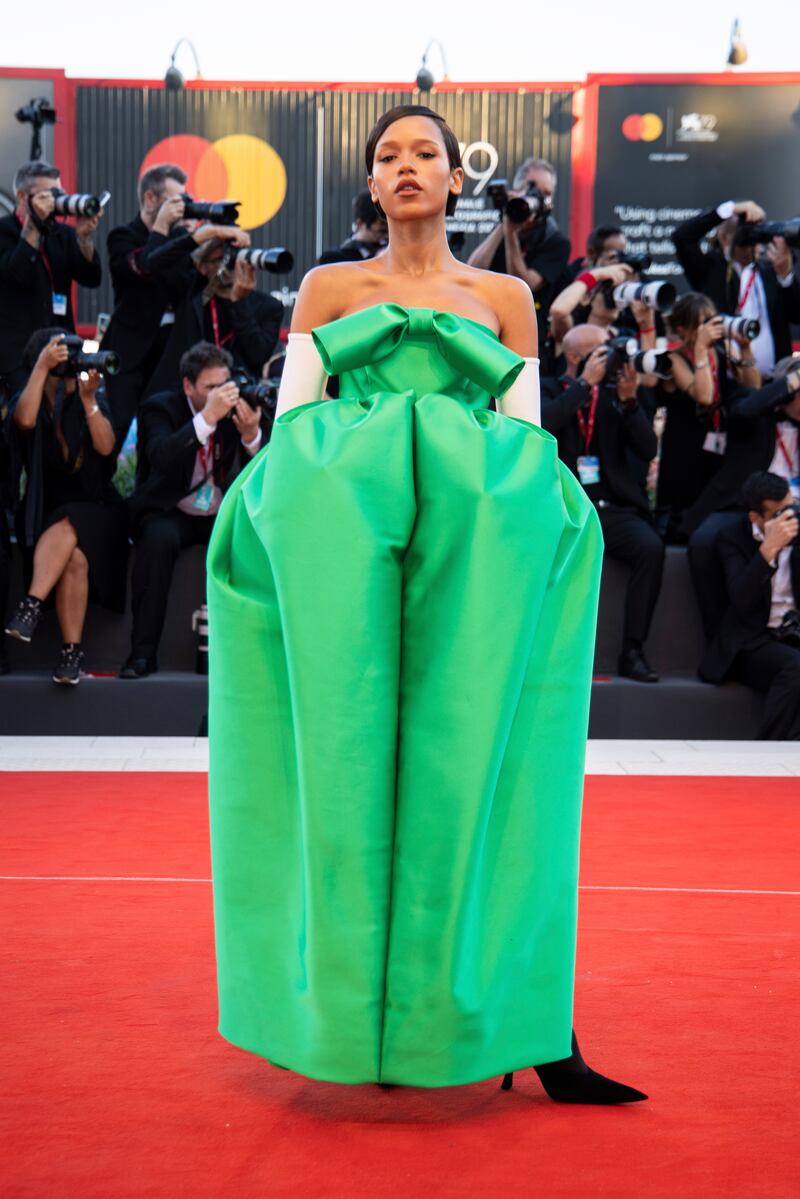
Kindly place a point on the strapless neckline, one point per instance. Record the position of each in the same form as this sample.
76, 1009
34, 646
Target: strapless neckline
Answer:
418, 308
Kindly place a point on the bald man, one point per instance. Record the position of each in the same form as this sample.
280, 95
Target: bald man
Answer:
598, 422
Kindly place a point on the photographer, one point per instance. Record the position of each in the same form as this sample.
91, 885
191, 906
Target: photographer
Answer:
534, 250
39, 262
220, 305
144, 299
594, 413
759, 639
589, 299
72, 519
705, 381
370, 234
736, 279
193, 442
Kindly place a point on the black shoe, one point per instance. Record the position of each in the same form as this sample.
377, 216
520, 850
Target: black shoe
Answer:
138, 668
27, 615
634, 665
68, 669
571, 1081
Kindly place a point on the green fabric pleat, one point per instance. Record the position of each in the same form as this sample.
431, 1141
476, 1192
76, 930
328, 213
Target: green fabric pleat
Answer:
402, 599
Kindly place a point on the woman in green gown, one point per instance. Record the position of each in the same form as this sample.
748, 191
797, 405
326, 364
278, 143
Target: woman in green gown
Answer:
402, 600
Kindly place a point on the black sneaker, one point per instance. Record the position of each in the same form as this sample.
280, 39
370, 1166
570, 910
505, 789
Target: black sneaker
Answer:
137, 668
27, 615
69, 665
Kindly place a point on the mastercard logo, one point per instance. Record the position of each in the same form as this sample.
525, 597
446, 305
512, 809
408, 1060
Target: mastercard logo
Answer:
642, 127
238, 167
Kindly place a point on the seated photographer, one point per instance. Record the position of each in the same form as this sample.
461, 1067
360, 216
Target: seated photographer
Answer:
736, 278
193, 441
594, 413
144, 299
759, 639
72, 519
534, 249
220, 305
370, 233
705, 380
40, 259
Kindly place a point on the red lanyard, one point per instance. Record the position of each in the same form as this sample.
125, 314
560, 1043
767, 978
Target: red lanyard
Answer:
783, 449
206, 453
43, 254
587, 428
212, 306
744, 298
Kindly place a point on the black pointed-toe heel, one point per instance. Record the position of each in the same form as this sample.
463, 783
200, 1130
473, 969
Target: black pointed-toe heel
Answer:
571, 1081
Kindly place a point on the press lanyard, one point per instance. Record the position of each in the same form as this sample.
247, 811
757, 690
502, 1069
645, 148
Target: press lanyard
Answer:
587, 429
740, 303
42, 253
206, 453
783, 448
212, 305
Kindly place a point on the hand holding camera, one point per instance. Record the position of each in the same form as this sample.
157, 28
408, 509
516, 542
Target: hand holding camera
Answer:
170, 212
615, 273
594, 370
220, 403
780, 531
246, 419
232, 233
710, 331
749, 211
780, 256
88, 383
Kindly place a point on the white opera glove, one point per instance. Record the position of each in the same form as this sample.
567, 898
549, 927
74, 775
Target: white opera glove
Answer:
523, 398
304, 378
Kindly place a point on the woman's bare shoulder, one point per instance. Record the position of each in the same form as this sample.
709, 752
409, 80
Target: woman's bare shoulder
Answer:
512, 301
321, 295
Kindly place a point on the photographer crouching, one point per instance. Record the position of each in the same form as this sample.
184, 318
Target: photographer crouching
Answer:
72, 519
759, 639
526, 241
192, 444
593, 411
40, 259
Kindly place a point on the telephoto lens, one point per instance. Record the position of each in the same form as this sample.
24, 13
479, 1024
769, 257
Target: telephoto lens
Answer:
258, 393
655, 295
741, 326
276, 259
105, 361
652, 362
219, 212
83, 204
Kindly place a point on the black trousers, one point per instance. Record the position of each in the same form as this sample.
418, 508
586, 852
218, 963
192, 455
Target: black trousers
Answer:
706, 570
160, 539
773, 668
630, 538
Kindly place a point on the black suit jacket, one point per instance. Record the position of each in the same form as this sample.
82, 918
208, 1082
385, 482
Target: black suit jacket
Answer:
255, 322
167, 450
27, 286
143, 292
748, 580
711, 272
751, 420
618, 430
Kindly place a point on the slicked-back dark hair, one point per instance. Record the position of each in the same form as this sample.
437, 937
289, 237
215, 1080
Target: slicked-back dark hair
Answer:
201, 356
598, 237
414, 110
761, 486
154, 179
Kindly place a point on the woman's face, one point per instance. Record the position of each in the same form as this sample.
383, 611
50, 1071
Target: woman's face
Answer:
688, 333
411, 175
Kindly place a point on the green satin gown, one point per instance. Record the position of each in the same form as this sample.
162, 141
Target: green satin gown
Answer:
402, 600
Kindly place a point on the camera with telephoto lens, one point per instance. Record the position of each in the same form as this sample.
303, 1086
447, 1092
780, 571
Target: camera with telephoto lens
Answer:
81, 204
105, 361
760, 233
660, 296
275, 259
740, 326
258, 393
622, 350
637, 262
533, 203
38, 111
219, 212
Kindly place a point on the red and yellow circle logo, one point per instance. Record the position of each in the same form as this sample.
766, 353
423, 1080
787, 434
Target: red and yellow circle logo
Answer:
237, 167
642, 127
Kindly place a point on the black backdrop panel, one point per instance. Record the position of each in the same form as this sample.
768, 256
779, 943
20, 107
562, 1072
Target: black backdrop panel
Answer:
320, 138
666, 151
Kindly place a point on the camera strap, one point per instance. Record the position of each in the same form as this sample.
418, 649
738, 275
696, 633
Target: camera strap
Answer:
212, 308
743, 298
785, 451
587, 426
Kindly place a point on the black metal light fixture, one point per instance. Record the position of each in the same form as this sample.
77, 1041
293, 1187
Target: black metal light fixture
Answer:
737, 52
173, 79
425, 76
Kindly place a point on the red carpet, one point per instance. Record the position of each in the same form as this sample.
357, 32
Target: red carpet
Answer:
117, 1084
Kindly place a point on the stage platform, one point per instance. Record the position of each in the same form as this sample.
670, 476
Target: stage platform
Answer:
174, 701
